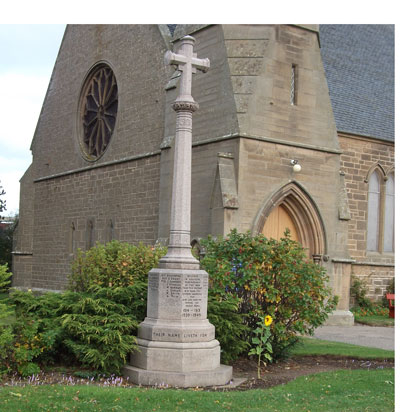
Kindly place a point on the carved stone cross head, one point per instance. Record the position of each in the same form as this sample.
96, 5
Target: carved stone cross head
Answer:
187, 63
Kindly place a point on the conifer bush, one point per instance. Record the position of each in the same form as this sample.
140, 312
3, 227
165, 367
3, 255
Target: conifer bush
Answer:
94, 329
93, 324
4, 278
269, 277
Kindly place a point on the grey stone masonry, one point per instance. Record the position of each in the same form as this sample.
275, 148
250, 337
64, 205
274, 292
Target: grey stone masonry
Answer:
176, 342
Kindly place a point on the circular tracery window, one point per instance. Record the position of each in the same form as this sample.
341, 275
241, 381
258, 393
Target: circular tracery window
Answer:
99, 106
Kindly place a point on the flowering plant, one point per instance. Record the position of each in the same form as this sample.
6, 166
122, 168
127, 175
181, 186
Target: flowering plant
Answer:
262, 347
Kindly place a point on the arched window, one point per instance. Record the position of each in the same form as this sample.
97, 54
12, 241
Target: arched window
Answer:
380, 221
374, 196
388, 237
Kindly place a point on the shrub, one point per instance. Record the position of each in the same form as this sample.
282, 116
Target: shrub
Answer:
358, 290
6, 339
93, 328
269, 277
93, 323
24, 340
4, 278
229, 325
363, 305
115, 264
99, 331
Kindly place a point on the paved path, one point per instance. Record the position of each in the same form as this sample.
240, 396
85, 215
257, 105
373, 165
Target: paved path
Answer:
372, 336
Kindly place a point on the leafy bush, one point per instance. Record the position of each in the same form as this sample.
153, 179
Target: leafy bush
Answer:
23, 341
358, 290
269, 277
6, 338
113, 264
364, 306
229, 325
4, 278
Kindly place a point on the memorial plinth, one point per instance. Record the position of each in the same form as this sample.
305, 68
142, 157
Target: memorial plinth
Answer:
177, 345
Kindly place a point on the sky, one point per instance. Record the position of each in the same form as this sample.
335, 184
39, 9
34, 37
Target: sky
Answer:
27, 56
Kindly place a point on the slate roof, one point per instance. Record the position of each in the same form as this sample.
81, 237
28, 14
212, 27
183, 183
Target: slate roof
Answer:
359, 66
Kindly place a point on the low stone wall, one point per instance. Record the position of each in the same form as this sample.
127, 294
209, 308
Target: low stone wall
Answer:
377, 279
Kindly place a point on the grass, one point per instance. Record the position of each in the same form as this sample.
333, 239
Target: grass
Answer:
360, 390
309, 346
374, 320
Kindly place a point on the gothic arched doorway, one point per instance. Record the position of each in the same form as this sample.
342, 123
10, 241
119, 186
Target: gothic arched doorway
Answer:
278, 221
291, 207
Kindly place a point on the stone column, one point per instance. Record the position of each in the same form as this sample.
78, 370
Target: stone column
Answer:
177, 344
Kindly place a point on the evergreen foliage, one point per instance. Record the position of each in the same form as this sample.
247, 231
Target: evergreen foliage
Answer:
230, 326
4, 278
88, 327
93, 325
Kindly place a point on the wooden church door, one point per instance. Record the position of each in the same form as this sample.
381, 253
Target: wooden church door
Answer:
277, 222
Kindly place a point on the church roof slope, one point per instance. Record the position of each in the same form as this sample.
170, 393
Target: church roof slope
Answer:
359, 66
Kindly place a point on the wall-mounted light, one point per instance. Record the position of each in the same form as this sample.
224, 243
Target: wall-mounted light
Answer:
296, 166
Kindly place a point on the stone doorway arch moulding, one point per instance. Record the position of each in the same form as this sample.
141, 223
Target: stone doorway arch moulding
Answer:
304, 213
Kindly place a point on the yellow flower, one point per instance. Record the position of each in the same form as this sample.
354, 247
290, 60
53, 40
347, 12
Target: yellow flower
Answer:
267, 320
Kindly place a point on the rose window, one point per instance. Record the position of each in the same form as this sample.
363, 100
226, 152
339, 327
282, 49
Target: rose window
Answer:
99, 111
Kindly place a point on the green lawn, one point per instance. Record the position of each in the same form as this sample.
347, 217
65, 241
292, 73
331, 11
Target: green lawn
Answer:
358, 390
309, 346
374, 320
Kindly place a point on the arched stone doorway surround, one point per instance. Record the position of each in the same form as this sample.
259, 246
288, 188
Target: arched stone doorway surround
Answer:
304, 213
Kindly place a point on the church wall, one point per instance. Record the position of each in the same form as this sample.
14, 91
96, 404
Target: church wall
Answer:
360, 154
216, 116
120, 201
264, 168
287, 61
72, 192
23, 237
215, 129
135, 53
204, 169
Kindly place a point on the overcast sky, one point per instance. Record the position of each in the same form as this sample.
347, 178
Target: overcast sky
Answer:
27, 57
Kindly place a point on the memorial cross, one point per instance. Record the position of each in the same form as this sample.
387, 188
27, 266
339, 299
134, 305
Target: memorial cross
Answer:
179, 250
176, 342
187, 63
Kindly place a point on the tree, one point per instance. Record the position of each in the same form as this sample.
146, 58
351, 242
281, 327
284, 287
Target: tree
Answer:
6, 241
2, 202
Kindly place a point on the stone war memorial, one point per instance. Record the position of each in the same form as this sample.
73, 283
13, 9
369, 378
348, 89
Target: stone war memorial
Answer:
286, 136
177, 344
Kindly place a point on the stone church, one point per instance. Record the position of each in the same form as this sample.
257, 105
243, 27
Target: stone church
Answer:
295, 130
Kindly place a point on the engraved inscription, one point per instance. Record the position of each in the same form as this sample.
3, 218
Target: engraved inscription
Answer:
192, 296
153, 282
172, 285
